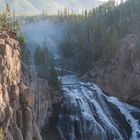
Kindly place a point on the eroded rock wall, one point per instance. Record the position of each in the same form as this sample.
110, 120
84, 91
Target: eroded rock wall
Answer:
24, 98
42, 97
121, 78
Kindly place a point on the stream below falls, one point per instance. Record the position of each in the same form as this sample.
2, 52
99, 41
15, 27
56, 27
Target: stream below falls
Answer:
88, 114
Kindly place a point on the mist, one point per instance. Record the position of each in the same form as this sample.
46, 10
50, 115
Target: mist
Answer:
44, 33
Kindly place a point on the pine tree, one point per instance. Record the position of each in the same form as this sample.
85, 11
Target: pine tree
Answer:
25, 53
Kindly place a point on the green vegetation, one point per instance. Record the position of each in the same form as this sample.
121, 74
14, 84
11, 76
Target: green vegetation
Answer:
44, 62
1, 134
25, 53
8, 20
93, 36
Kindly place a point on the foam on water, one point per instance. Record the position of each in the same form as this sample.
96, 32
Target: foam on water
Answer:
87, 113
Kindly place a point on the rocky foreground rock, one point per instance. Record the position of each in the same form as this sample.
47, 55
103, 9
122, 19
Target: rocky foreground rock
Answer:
25, 100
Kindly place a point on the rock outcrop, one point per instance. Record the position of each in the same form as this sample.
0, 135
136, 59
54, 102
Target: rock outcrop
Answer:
25, 100
122, 77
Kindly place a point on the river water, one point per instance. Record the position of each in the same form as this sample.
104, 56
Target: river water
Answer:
88, 114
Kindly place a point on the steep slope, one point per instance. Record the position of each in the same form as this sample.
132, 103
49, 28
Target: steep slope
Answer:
71, 4
89, 4
34, 7
25, 100
16, 115
49, 5
22, 7
122, 77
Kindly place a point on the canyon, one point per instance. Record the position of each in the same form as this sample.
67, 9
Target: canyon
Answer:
70, 77
32, 110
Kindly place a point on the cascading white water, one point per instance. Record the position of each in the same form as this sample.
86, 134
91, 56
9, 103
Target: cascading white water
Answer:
88, 114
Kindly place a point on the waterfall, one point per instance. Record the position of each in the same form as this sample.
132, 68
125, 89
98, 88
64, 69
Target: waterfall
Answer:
88, 114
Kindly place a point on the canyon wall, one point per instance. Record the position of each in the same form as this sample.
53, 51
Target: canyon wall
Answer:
25, 99
121, 78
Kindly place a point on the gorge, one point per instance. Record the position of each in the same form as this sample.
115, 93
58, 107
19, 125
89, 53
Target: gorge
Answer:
86, 113
71, 76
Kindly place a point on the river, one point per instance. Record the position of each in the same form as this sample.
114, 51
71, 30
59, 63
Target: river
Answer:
88, 114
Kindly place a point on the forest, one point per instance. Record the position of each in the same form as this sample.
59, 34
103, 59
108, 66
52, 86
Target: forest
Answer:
93, 36
90, 39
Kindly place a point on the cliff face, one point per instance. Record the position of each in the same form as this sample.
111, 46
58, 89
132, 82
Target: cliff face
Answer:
24, 98
39, 91
122, 77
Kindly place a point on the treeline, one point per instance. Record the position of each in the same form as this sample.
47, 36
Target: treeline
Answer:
92, 37
70, 12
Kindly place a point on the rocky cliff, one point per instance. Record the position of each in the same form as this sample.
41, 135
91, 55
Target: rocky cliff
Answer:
121, 78
25, 100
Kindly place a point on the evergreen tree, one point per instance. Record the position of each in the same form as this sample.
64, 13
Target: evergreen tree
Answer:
25, 53
44, 62
93, 39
